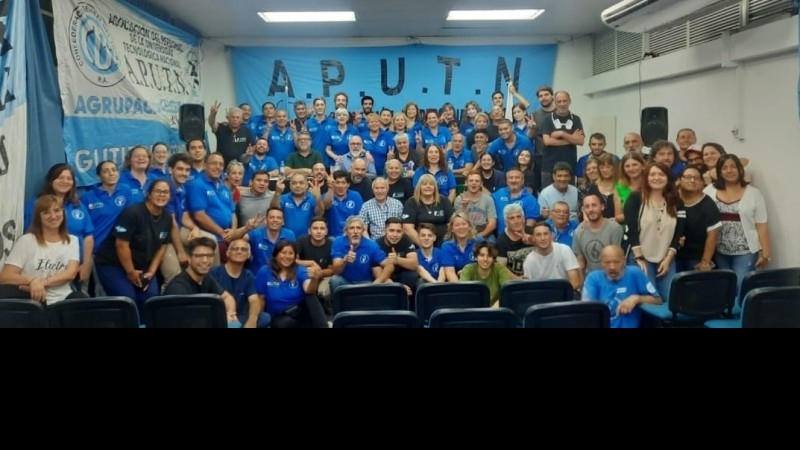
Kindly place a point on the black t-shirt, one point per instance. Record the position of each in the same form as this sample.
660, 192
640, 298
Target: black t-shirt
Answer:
145, 233
437, 215
403, 248
514, 252
402, 190
565, 153
699, 218
411, 162
183, 284
306, 251
539, 116
364, 188
232, 145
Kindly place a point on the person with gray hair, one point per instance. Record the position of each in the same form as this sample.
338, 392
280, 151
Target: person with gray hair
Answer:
339, 137
233, 139
357, 259
403, 153
515, 242
376, 211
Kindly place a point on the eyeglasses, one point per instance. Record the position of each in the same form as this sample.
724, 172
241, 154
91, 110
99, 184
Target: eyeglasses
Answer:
203, 255
238, 249
692, 177
559, 211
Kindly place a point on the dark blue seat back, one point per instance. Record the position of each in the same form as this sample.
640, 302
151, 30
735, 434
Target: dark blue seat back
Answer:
464, 294
519, 295
22, 314
370, 297
101, 312
185, 311
568, 315
772, 308
473, 318
376, 319
703, 294
787, 277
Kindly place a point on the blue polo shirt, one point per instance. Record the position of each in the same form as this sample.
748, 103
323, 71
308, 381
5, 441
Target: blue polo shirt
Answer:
508, 156
254, 164
378, 148
194, 174
339, 141
298, 217
442, 138
340, 210
214, 198
240, 288
460, 161
565, 236
445, 180
502, 198
598, 287
452, 256
281, 143
261, 247
281, 295
104, 209
177, 202
368, 255
138, 190
79, 222
257, 126
157, 174
432, 264
320, 135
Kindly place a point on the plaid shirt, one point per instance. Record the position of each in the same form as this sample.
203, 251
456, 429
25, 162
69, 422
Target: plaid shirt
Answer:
375, 215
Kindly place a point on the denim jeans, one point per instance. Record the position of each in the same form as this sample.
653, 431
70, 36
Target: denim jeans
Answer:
741, 265
662, 284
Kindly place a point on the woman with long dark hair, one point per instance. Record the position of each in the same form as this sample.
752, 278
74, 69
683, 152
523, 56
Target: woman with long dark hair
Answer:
43, 261
655, 218
288, 291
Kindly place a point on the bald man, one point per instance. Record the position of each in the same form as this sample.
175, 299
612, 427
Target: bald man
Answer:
622, 288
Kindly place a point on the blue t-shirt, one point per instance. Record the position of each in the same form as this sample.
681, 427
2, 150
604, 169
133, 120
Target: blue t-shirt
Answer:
342, 209
281, 295
298, 217
261, 247
378, 148
502, 198
281, 143
441, 139
339, 141
79, 221
565, 236
212, 197
254, 165
368, 255
507, 157
459, 162
241, 288
320, 135
445, 180
138, 190
452, 256
432, 264
598, 287
104, 209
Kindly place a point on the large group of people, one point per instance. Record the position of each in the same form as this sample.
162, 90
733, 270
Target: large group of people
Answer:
287, 210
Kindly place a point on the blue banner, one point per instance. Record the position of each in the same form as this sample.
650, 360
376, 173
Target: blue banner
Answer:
426, 74
123, 76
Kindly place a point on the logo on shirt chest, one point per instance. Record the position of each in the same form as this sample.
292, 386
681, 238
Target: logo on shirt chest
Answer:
120, 201
77, 214
364, 259
239, 140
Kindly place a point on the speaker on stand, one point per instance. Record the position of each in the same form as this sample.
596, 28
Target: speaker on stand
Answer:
654, 125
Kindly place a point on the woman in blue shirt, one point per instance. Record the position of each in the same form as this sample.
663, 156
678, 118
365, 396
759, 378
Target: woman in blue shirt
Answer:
457, 250
288, 292
435, 164
433, 133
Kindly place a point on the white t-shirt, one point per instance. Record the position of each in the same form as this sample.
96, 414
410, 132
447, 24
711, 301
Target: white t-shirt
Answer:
43, 262
554, 266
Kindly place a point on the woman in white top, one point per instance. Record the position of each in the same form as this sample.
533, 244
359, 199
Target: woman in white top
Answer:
44, 261
655, 218
744, 242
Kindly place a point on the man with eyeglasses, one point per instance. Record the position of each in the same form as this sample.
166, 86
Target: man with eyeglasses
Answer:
356, 145
303, 159
211, 202
561, 225
195, 280
235, 279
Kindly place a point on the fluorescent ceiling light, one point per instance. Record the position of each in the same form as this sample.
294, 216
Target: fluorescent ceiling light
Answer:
308, 16
496, 14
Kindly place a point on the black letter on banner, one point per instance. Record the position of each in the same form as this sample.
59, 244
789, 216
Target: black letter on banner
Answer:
401, 77
279, 71
8, 236
327, 81
448, 76
503, 77
3, 157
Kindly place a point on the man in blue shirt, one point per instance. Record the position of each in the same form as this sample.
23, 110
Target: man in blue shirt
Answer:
281, 137
515, 192
341, 203
622, 288
561, 225
211, 202
264, 239
506, 148
357, 259
458, 160
240, 283
300, 205
260, 160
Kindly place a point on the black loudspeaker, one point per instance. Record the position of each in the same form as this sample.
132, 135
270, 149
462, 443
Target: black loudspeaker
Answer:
192, 123
655, 125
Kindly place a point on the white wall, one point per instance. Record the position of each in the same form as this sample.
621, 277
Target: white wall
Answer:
217, 81
760, 98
